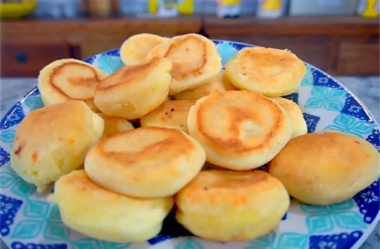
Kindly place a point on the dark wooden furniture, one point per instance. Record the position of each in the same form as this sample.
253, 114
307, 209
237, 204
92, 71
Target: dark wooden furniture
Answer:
338, 45
27, 46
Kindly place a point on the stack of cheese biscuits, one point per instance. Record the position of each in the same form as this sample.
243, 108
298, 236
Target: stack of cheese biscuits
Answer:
146, 134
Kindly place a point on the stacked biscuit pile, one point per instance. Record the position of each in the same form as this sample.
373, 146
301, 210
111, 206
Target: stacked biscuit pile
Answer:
192, 113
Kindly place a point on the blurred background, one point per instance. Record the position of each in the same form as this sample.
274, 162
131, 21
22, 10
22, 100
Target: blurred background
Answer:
338, 36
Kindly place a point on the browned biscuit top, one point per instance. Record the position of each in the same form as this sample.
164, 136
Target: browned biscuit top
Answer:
189, 48
135, 147
268, 65
238, 122
74, 80
129, 76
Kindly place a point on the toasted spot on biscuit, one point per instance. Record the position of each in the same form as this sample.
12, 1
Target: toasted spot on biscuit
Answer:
187, 65
19, 149
83, 81
35, 156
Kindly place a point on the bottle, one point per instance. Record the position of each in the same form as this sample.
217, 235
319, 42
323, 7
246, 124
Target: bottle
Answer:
228, 8
270, 9
185, 7
368, 8
153, 6
163, 8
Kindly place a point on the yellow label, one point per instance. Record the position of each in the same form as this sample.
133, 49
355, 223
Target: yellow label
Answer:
185, 7
272, 5
230, 2
153, 6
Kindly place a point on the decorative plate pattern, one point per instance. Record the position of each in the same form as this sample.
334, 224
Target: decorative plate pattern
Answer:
28, 220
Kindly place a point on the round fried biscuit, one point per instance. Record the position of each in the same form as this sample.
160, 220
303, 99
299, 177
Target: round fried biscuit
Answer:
134, 91
271, 72
69, 79
103, 214
326, 167
137, 47
230, 205
145, 162
239, 130
195, 61
52, 141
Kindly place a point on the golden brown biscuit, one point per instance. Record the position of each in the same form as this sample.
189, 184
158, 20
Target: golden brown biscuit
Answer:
195, 61
69, 79
326, 168
134, 91
52, 141
171, 114
102, 214
145, 162
218, 83
239, 130
114, 125
137, 47
295, 115
230, 205
271, 72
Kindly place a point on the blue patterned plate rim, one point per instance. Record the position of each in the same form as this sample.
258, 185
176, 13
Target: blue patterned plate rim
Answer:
324, 241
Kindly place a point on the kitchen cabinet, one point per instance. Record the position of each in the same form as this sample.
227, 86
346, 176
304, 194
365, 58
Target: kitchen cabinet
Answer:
28, 45
344, 45
341, 45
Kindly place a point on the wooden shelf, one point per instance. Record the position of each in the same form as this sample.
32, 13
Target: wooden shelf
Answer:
336, 25
94, 30
35, 40
341, 45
